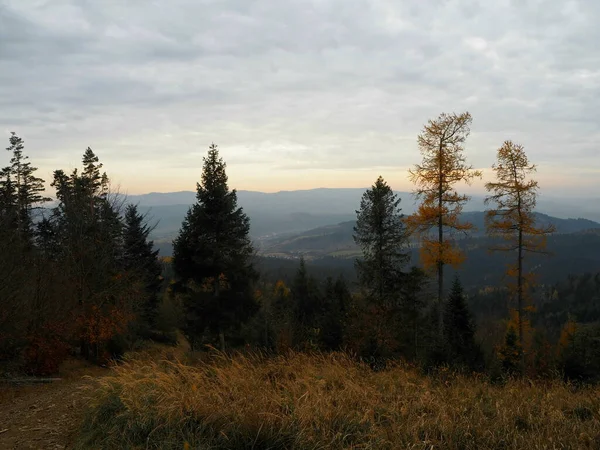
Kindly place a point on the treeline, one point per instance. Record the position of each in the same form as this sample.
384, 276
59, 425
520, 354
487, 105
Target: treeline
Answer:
82, 280
86, 279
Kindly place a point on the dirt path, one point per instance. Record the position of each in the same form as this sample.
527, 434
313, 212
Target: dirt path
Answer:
44, 416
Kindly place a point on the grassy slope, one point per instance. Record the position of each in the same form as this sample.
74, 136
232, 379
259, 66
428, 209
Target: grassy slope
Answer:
309, 402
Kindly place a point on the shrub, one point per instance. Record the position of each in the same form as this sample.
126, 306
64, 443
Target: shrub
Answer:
44, 354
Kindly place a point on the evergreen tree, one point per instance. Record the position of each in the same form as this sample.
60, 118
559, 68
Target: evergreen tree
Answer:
413, 302
459, 329
8, 203
511, 352
84, 235
278, 312
28, 188
381, 235
22, 272
336, 302
213, 251
86, 222
140, 258
13, 275
307, 305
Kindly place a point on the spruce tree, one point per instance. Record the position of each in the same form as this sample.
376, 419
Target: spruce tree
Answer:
413, 292
382, 237
511, 352
332, 320
381, 234
22, 289
459, 329
8, 203
140, 258
307, 305
28, 189
84, 234
214, 253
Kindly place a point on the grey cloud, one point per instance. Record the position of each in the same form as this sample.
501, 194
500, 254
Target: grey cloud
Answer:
299, 84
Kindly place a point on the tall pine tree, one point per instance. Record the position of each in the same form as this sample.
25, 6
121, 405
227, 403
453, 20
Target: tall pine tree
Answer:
212, 255
382, 237
21, 269
8, 203
336, 302
22, 187
140, 258
84, 235
459, 329
381, 234
307, 306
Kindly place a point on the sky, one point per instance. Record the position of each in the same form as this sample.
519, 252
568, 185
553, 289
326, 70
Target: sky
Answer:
299, 94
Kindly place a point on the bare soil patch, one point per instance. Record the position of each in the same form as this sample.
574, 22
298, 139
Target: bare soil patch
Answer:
45, 415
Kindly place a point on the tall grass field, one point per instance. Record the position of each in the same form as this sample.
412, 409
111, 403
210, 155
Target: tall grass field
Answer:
302, 401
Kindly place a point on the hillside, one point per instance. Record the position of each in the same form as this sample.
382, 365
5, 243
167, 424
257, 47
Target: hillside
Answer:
288, 212
330, 249
336, 240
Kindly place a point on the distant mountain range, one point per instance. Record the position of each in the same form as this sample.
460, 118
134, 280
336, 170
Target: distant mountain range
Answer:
336, 240
286, 213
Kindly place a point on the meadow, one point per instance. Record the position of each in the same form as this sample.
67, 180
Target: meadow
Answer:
329, 401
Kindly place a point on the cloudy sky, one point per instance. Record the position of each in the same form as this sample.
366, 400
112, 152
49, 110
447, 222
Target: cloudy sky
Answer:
299, 93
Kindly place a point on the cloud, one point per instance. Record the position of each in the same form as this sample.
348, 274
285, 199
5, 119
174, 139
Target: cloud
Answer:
296, 86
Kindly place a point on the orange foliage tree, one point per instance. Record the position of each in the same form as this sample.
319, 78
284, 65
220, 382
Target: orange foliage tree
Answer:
443, 167
109, 314
514, 198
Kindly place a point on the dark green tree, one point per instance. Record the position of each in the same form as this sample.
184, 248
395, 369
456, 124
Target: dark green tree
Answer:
213, 252
511, 352
382, 237
141, 260
22, 271
459, 330
84, 234
307, 306
13, 273
414, 294
8, 203
336, 301
25, 191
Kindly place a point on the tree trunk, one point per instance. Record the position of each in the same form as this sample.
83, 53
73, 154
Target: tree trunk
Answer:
416, 323
84, 348
221, 332
520, 296
440, 243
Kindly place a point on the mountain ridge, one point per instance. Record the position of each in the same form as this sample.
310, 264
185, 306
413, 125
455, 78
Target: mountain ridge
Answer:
336, 239
287, 212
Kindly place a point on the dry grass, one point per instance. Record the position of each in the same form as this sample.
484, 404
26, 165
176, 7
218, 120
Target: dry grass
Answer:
329, 401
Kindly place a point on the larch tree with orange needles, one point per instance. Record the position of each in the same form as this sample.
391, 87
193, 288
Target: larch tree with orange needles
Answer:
444, 166
514, 196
